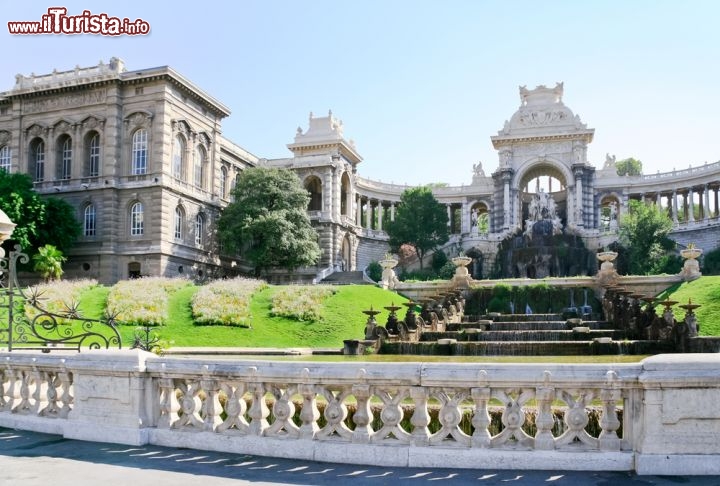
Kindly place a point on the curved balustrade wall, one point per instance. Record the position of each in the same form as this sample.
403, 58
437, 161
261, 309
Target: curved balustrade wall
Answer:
353, 412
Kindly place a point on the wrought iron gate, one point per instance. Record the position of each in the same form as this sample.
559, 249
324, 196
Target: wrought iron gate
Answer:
46, 330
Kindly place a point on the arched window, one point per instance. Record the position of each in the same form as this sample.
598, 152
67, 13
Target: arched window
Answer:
314, 187
223, 182
139, 152
137, 226
64, 168
199, 229
199, 167
178, 159
178, 223
89, 220
5, 158
37, 160
93, 153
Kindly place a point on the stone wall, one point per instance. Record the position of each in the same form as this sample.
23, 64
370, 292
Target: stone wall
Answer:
705, 237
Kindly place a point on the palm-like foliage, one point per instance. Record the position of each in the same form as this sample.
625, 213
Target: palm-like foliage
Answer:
48, 262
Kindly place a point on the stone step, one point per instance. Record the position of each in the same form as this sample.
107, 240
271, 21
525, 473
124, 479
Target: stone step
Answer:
345, 278
522, 336
527, 348
540, 326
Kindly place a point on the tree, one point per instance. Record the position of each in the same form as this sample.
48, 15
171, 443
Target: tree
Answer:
61, 227
643, 235
629, 166
48, 262
268, 223
420, 221
23, 206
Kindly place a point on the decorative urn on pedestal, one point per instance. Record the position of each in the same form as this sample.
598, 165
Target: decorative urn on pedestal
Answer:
462, 276
691, 267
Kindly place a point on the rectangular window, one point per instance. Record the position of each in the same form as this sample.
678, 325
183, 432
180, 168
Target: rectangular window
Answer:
94, 156
5, 158
139, 152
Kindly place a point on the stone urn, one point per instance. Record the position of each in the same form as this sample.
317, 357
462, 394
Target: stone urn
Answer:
691, 267
389, 279
607, 257
607, 274
462, 276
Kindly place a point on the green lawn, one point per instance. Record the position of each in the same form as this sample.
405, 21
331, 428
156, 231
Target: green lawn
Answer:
342, 319
704, 291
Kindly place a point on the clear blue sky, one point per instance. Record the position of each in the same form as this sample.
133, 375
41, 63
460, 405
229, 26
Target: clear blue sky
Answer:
420, 85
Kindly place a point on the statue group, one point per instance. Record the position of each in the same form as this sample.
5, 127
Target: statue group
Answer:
541, 209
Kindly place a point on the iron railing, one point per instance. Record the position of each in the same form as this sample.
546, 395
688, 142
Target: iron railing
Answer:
43, 329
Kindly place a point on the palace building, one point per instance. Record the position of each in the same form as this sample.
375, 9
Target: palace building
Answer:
141, 157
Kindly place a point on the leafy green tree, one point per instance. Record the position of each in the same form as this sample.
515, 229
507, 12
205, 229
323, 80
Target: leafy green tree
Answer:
629, 166
39, 221
23, 206
48, 262
268, 223
643, 236
60, 227
420, 221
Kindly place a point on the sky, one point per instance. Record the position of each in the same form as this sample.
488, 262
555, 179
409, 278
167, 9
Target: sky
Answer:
421, 86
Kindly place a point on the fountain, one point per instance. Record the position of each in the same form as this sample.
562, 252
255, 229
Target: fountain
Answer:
546, 248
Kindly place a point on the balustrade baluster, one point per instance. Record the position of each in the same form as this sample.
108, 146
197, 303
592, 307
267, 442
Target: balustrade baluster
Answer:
481, 418
362, 415
169, 405
420, 418
66, 398
259, 411
211, 406
545, 420
609, 423
309, 414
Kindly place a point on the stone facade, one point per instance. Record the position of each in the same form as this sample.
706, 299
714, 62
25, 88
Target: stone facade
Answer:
141, 156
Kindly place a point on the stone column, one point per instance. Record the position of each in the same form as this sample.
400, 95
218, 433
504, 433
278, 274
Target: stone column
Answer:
506, 200
464, 218
717, 199
706, 202
368, 214
380, 215
658, 201
674, 207
392, 211
358, 211
691, 205
579, 198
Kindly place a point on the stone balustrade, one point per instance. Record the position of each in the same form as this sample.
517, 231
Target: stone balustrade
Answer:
353, 412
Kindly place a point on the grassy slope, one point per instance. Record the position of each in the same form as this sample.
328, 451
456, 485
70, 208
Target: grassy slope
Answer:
342, 319
704, 291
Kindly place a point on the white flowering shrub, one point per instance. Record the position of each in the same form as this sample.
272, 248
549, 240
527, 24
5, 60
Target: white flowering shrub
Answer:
143, 301
58, 297
225, 302
303, 303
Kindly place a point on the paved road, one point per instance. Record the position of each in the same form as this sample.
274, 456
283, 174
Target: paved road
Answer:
32, 459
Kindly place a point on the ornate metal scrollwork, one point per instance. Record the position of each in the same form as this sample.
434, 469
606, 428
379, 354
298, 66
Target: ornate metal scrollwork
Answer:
47, 330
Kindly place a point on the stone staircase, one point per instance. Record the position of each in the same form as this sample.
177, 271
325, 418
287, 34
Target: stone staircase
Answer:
345, 278
526, 335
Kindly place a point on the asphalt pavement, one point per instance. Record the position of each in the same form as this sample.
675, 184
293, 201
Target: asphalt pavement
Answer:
34, 459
